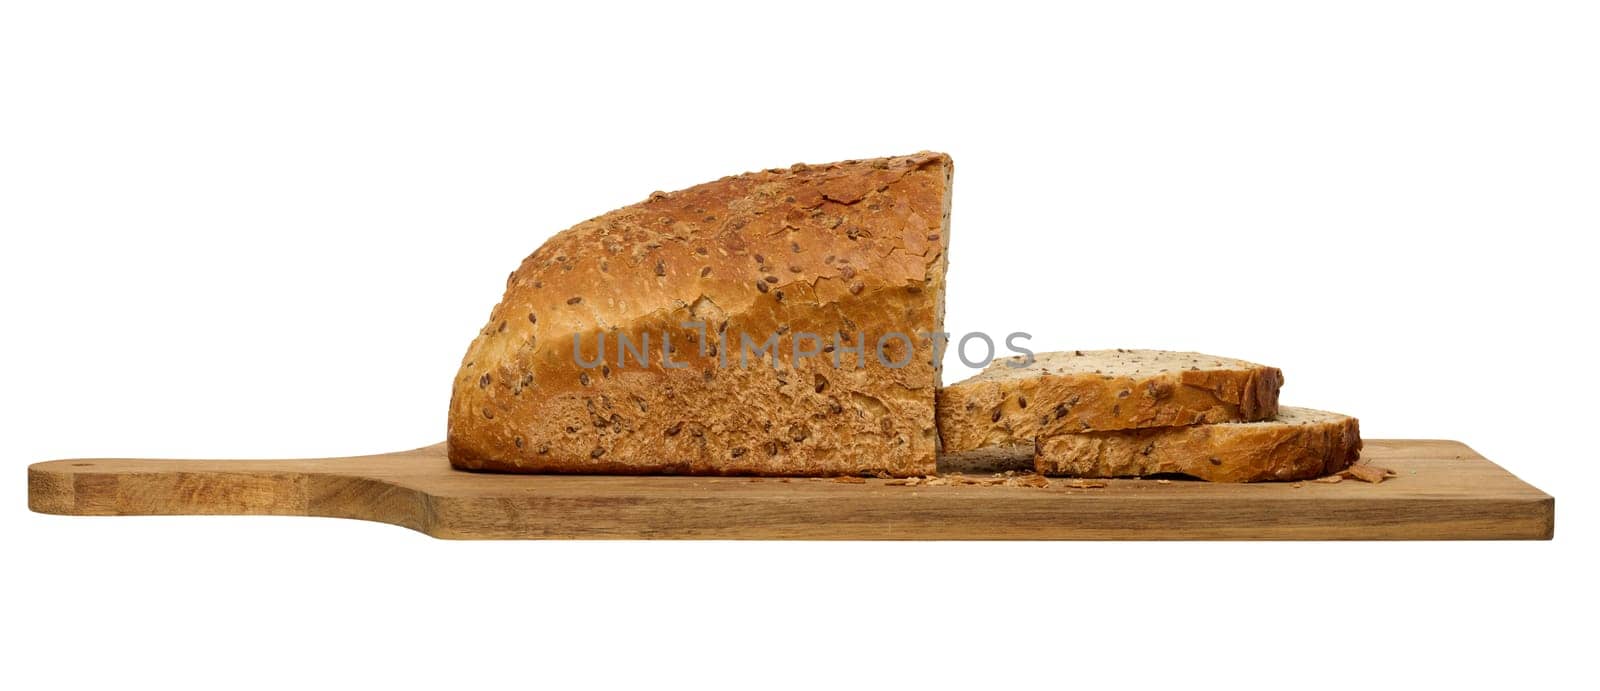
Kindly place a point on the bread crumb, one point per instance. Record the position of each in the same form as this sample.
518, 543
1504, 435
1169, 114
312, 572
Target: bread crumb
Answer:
851, 480
1163, 482
1299, 484
1038, 481
1331, 479
1086, 484
1367, 473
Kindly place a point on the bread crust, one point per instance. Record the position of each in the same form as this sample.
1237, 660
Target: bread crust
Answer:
856, 247
1301, 444
1084, 391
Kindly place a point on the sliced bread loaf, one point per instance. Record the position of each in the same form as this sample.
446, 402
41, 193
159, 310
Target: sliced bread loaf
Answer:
1090, 390
843, 262
1300, 444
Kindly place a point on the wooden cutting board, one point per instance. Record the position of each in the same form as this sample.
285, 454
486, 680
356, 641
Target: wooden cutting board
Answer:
1444, 491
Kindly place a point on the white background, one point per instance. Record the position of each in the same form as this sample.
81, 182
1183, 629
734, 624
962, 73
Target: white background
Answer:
270, 230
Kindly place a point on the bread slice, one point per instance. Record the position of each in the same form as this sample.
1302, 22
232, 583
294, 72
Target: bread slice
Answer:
1009, 404
1300, 444
851, 253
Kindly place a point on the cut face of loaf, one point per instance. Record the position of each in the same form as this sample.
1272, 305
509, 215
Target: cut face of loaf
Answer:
844, 262
1301, 444
1089, 390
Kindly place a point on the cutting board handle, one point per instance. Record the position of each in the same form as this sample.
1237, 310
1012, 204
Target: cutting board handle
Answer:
369, 487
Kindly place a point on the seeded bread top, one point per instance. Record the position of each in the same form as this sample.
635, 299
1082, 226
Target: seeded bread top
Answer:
1108, 363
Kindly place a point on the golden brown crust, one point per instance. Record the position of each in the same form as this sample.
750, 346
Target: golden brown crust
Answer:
1301, 444
853, 247
1082, 391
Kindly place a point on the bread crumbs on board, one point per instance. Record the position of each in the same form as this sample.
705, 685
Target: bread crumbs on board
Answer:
1006, 479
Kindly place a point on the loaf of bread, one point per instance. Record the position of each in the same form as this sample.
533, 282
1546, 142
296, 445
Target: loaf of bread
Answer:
1091, 390
1300, 444
839, 267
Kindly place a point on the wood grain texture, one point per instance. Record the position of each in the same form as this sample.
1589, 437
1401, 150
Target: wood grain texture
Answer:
1445, 491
